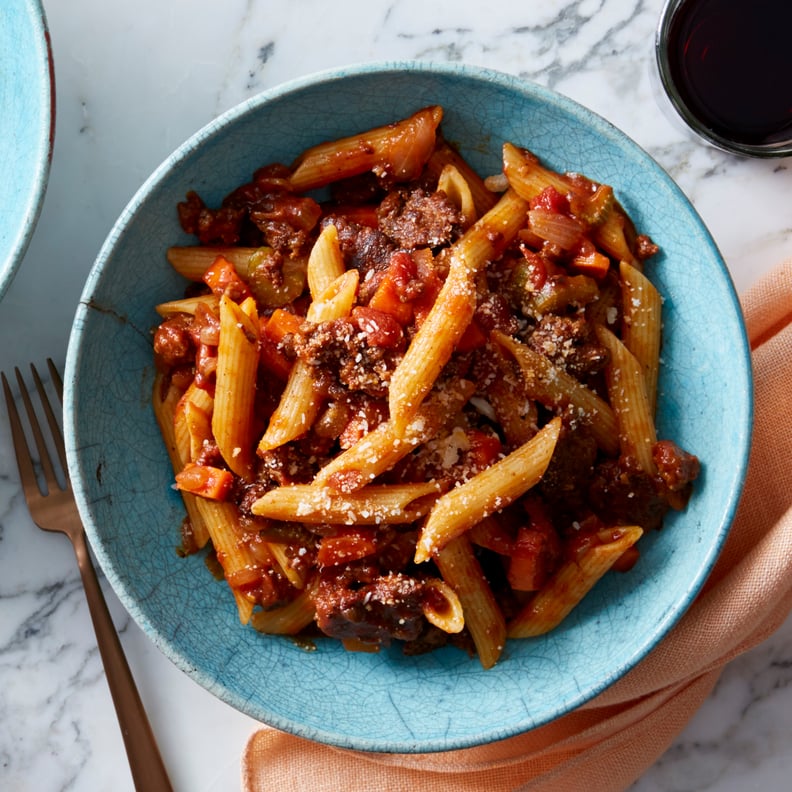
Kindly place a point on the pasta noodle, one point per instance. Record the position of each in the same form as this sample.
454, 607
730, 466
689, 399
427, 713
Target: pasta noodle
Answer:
422, 409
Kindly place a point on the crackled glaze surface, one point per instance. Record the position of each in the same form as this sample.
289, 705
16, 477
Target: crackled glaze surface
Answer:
130, 96
26, 128
390, 703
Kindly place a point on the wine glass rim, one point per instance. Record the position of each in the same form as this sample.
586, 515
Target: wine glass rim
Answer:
782, 148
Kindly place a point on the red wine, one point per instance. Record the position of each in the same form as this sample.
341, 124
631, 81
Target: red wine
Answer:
731, 62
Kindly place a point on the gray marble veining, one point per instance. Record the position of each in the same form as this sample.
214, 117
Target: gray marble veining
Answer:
133, 81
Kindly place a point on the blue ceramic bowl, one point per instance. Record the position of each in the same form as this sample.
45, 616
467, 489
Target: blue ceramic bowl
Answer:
27, 126
388, 702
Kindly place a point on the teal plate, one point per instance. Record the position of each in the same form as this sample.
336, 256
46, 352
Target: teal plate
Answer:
388, 702
27, 127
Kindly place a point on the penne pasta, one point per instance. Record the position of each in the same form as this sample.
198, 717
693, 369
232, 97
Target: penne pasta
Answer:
239, 566
455, 186
192, 262
372, 505
554, 388
442, 607
408, 412
484, 619
300, 401
627, 390
642, 328
445, 154
188, 305
165, 403
610, 227
379, 450
288, 619
451, 313
325, 263
237, 363
397, 150
574, 579
493, 489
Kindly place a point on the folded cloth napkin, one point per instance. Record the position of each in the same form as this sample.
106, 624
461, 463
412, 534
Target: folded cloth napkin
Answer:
609, 742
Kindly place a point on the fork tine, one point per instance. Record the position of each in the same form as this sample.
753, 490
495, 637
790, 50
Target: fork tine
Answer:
44, 456
54, 426
56, 378
27, 472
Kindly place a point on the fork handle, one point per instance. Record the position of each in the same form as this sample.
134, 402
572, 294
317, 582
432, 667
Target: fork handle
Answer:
148, 770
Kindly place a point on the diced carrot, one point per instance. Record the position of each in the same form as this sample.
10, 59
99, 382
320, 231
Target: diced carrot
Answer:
273, 330
222, 277
346, 545
390, 296
387, 299
280, 323
205, 480
589, 261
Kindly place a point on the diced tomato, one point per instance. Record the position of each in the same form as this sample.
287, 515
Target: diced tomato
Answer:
222, 278
381, 329
346, 545
536, 551
531, 274
363, 420
485, 449
551, 200
205, 480
430, 285
473, 338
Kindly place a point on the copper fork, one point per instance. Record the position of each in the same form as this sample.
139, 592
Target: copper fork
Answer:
52, 507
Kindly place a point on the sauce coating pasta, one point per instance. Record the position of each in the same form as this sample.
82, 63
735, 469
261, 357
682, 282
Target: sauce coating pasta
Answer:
407, 403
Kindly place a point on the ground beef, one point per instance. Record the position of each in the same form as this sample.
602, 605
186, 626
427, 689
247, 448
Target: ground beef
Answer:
173, 344
286, 221
340, 353
262, 211
622, 494
366, 249
416, 218
568, 342
644, 247
287, 464
211, 226
677, 468
566, 479
358, 602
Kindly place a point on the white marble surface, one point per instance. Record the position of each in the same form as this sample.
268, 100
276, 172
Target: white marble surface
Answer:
133, 81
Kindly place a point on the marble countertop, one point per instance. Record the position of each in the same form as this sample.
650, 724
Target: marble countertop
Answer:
135, 79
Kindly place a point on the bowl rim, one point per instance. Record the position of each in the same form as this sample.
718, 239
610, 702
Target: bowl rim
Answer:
33, 194
76, 350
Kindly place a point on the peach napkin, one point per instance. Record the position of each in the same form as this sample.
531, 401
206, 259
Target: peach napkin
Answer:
607, 744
